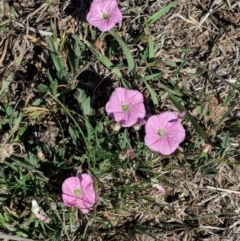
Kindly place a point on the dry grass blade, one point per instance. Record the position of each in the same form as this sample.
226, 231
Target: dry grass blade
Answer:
13, 237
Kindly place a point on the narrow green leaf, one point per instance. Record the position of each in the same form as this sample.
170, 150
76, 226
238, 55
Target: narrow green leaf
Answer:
125, 49
6, 83
189, 117
160, 13
149, 77
104, 60
84, 102
151, 51
72, 134
55, 58
152, 93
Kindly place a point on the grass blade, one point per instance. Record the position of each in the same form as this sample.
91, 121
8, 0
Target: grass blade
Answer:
160, 13
189, 117
125, 49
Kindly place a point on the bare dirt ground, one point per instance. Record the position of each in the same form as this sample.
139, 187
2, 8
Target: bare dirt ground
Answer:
200, 37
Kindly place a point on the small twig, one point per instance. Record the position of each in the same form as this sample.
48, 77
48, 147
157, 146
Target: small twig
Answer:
211, 227
44, 5
35, 30
86, 228
210, 11
222, 189
4, 51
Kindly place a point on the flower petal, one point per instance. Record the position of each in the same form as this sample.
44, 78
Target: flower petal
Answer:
69, 200
69, 185
88, 200
108, 5
176, 132
43, 218
85, 180
166, 119
152, 125
134, 97
153, 142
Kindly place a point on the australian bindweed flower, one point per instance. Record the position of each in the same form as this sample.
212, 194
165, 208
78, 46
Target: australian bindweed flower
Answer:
164, 133
104, 14
79, 192
126, 106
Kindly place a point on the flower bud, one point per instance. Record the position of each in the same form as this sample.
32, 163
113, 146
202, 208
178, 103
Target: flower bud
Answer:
40, 155
138, 124
207, 149
129, 153
115, 126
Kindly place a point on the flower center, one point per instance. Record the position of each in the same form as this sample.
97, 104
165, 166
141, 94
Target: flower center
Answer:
161, 132
125, 107
77, 192
105, 16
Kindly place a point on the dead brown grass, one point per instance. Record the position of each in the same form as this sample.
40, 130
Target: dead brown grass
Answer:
196, 206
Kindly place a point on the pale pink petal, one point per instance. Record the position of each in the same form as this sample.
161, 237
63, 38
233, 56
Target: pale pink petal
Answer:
108, 5
120, 95
85, 181
153, 142
152, 125
168, 146
113, 105
164, 145
115, 16
115, 101
88, 200
176, 132
139, 110
165, 119
43, 218
104, 25
70, 184
68, 187
134, 97
40, 214
69, 200
136, 112
160, 188
130, 153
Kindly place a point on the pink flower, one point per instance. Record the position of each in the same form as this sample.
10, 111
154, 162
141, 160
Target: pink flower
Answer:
126, 106
104, 14
164, 133
79, 192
